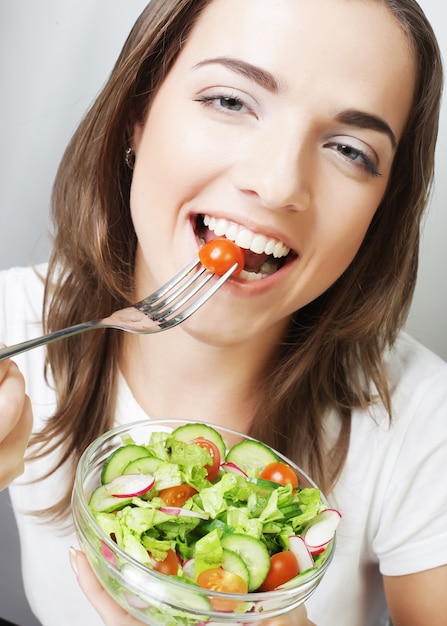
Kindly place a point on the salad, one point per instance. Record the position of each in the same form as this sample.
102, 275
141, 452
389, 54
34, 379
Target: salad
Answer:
230, 520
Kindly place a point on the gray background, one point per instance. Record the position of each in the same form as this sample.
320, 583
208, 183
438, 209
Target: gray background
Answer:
54, 57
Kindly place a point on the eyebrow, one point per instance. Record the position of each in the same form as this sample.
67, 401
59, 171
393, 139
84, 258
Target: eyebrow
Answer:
266, 80
258, 75
361, 119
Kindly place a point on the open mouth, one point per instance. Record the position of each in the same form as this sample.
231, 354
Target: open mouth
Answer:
263, 255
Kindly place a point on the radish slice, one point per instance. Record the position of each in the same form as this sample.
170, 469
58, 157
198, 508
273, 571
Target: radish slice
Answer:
189, 569
298, 546
136, 602
314, 550
108, 554
130, 485
322, 529
175, 510
232, 468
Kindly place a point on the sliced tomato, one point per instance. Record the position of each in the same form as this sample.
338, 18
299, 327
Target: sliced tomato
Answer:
219, 579
215, 455
283, 567
169, 565
177, 496
219, 255
279, 472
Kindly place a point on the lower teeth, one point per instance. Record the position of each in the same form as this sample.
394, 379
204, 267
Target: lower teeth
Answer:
251, 276
267, 269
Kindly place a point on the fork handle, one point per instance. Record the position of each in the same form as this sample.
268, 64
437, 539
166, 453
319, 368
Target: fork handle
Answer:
18, 348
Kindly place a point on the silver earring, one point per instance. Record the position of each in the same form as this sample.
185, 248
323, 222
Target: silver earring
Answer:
129, 158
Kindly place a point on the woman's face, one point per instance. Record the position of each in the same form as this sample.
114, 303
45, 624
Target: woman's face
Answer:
277, 127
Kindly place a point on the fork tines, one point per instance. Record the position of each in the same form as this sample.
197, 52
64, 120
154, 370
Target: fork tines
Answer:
179, 292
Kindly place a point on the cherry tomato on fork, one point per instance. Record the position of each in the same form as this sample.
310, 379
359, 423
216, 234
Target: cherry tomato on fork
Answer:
280, 473
211, 447
219, 255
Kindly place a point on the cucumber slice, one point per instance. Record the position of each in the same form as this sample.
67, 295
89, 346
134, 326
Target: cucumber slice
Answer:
102, 502
143, 465
290, 511
254, 554
251, 456
191, 598
188, 432
119, 459
233, 563
262, 487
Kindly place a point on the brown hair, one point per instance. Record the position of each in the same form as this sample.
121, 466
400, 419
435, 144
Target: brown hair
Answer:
332, 346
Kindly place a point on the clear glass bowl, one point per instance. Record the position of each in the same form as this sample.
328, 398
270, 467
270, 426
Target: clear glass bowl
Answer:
158, 599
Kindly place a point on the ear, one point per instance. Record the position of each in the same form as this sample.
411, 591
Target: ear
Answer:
137, 135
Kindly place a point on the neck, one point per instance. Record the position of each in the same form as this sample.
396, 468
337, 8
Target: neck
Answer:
174, 375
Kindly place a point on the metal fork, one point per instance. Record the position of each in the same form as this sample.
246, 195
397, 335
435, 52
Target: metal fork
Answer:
169, 306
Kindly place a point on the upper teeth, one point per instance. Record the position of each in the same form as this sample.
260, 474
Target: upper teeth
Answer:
245, 238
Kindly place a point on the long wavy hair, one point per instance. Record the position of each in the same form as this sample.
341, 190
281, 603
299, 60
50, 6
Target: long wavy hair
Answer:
332, 346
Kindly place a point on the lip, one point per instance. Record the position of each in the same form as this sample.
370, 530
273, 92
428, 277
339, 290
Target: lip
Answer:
240, 288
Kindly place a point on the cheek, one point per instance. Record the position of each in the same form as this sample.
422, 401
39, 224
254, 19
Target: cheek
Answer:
343, 233
171, 168
347, 242
157, 173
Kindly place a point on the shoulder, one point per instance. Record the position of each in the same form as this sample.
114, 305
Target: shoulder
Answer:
416, 374
30, 276
21, 301
409, 356
21, 298
408, 537
393, 466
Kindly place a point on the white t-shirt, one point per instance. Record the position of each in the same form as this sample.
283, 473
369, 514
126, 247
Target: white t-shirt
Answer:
392, 493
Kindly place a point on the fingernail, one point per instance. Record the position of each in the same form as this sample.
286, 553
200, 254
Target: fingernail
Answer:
72, 556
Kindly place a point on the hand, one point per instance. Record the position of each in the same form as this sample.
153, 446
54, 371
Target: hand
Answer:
15, 422
113, 615
109, 611
298, 617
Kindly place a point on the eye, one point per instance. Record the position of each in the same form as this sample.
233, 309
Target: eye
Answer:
359, 157
225, 103
231, 103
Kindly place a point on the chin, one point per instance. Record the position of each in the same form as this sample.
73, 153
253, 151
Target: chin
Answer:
217, 332
220, 326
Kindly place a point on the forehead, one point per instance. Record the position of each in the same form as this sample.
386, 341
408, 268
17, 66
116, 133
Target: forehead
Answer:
366, 21
330, 50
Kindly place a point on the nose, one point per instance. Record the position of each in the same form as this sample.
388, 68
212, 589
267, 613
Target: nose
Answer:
276, 168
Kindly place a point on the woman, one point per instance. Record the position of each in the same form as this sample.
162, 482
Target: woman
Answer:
307, 125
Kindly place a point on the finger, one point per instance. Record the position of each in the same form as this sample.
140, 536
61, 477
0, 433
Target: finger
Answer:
113, 615
109, 611
13, 446
5, 364
12, 397
297, 617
